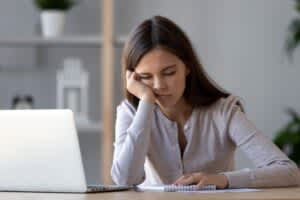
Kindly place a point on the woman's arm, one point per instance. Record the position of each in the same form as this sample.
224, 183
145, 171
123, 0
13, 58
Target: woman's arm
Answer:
132, 134
272, 167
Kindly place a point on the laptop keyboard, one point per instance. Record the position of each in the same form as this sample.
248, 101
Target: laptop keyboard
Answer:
108, 188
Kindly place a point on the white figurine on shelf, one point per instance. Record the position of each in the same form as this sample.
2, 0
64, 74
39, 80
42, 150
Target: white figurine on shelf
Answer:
72, 89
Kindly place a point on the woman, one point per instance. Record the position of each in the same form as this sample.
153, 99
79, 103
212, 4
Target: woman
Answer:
187, 127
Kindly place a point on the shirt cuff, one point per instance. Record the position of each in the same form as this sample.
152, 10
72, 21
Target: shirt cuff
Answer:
239, 179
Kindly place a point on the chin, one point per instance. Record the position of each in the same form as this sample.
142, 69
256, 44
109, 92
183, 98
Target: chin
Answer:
165, 104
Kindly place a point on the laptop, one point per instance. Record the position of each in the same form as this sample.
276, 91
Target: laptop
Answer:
40, 152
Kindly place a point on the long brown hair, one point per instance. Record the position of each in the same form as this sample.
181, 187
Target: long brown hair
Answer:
161, 32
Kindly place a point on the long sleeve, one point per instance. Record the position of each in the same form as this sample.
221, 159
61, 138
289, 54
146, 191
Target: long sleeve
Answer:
272, 168
132, 135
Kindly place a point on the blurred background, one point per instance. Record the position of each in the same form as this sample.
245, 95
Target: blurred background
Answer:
240, 43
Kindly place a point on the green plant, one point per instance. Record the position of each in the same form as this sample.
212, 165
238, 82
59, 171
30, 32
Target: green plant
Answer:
54, 4
293, 38
288, 138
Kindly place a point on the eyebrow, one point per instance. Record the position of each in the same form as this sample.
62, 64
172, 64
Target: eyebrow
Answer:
164, 69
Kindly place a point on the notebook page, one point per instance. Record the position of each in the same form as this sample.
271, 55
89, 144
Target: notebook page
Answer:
239, 190
175, 188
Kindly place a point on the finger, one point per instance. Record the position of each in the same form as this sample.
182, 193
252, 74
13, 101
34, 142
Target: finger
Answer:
179, 180
128, 74
203, 182
187, 180
194, 176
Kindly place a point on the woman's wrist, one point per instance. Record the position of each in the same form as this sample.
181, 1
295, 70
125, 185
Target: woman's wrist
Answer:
223, 181
148, 98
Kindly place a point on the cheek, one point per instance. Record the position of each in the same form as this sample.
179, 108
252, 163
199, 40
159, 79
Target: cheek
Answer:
147, 82
178, 82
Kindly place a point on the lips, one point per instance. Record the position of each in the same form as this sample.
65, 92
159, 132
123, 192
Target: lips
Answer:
164, 96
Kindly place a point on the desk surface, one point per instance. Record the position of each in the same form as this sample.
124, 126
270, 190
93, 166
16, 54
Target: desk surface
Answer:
265, 194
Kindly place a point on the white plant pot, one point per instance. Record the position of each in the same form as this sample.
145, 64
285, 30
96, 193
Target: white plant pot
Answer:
53, 22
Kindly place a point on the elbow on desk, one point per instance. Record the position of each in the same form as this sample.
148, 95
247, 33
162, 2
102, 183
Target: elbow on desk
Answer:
120, 178
288, 174
123, 180
294, 173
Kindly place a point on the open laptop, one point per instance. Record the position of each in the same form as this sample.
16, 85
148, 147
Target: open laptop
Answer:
39, 152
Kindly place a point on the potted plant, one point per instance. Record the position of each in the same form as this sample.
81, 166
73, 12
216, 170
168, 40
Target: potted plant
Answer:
293, 38
53, 15
288, 138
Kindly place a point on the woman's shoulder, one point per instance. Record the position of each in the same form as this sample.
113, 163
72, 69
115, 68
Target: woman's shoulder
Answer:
225, 105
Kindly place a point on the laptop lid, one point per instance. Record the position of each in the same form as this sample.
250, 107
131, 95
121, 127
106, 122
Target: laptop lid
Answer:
40, 152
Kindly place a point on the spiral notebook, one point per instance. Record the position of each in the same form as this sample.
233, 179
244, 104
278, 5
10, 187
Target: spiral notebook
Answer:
174, 188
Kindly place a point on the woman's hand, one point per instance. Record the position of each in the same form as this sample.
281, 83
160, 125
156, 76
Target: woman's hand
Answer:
137, 88
201, 179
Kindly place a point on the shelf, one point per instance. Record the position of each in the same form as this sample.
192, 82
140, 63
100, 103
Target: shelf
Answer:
91, 127
120, 40
72, 40
42, 41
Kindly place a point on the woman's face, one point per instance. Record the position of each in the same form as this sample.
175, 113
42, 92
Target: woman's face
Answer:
165, 74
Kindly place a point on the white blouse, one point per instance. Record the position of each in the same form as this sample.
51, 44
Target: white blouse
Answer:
212, 133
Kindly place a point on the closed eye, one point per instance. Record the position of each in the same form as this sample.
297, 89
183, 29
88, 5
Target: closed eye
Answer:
145, 77
169, 73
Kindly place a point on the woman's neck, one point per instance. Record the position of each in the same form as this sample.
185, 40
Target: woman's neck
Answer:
179, 113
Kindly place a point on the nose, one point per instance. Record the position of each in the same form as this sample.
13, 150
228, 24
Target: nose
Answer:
159, 83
